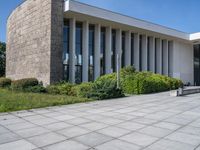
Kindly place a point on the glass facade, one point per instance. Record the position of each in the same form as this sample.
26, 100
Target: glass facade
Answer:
140, 53
156, 49
103, 49
148, 53
78, 54
91, 53
113, 66
162, 52
132, 49
66, 50
197, 65
123, 50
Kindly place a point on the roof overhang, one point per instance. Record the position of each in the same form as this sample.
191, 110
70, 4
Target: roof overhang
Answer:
92, 11
195, 38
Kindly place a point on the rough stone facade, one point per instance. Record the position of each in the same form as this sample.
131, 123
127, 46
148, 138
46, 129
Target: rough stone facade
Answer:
34, 41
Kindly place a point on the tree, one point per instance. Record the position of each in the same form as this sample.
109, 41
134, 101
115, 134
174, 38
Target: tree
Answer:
2, 58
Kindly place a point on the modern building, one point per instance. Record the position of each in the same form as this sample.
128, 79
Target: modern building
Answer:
55, 40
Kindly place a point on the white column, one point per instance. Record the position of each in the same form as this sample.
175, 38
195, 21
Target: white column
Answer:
144, 53
85, 39
108, 50
165, 58
97, 51
136, 51
118, 46
127, 48
72, 48
152, 54
158, 56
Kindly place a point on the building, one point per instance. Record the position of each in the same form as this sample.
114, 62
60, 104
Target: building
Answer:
53, 40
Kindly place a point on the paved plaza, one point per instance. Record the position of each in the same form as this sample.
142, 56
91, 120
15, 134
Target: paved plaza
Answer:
147, 122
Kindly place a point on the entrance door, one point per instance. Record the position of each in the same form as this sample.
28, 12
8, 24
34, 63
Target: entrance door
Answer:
197, 65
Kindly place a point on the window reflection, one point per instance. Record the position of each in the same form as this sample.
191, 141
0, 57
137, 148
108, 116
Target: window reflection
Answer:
132, 48
197, 65
140, 53
113, 66
66, 50
123, 50
103, 47
78, 54
91, 53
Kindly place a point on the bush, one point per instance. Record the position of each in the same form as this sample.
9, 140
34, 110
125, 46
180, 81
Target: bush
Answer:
147, 82
105, 87
5, 82
35, 89
83, 90
127, 71
24, 83
61, 88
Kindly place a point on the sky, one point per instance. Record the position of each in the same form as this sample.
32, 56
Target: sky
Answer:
183, 15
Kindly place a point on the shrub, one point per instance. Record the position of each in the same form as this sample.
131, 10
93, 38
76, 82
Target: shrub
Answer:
5, 82
35, 89
61, 88
147, 82
24, 83
83, 90
127, 71
105, 87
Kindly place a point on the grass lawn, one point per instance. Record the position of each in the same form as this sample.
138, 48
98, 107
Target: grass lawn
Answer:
14, 101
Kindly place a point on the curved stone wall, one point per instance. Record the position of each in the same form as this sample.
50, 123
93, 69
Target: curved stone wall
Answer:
34, 41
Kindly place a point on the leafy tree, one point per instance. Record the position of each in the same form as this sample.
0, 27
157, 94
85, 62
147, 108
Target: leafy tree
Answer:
2, 58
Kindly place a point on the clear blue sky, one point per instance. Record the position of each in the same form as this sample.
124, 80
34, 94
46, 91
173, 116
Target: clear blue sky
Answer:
183, 15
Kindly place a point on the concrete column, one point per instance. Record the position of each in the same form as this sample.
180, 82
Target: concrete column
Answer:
158, 56
165, 58
144, 53
127, 48
85, 51
97, 51
72, 47
108, 50
136, 51
118, 47
152, 54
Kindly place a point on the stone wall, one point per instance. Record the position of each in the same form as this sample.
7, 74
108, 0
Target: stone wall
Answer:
34, 41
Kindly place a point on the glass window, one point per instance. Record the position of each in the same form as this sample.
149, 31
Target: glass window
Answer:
113, 51
123, 50
140, 53
78, 54
148, 53
162, 52
156, 49
103, 47
91, 53
132, 49
197, 65
66, 50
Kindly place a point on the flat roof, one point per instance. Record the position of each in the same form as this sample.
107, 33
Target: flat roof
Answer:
82, 8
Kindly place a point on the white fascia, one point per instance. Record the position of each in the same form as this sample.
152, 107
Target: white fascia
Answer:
195, 36
93, 11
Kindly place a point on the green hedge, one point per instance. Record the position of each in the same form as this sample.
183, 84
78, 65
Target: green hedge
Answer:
83, 90
147, 82
35, 89
61, 88
24, 83
5, 82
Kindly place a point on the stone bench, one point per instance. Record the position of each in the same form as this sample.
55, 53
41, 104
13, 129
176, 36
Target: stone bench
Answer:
185, 91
